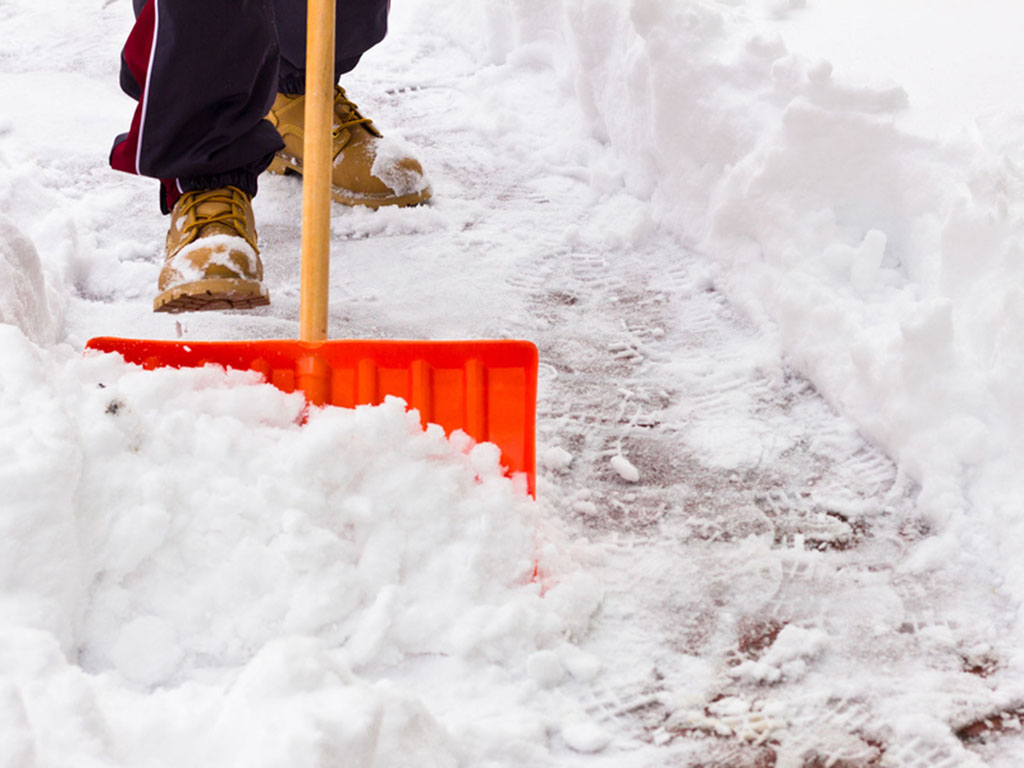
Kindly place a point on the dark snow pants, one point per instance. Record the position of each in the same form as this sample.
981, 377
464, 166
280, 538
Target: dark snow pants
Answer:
205, 73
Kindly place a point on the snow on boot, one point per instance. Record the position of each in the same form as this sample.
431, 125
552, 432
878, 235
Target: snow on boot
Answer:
368, 169
212, 260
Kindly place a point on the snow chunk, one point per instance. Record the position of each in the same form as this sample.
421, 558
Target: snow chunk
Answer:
389, 165
796, 643
556, 459
546, 668
586, 737
625, 469
861, 264
787, 658
584, 667
24, 296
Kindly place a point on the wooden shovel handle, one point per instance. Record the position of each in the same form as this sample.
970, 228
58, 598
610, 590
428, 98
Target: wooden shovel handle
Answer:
316, 170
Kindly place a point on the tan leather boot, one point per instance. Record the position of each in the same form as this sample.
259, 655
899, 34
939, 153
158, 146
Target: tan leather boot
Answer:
367, 170
212, 261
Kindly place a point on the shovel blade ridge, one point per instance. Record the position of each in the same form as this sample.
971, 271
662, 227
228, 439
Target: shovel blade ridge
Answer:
488, 389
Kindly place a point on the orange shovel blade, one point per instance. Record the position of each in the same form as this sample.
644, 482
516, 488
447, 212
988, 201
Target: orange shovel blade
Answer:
488, 389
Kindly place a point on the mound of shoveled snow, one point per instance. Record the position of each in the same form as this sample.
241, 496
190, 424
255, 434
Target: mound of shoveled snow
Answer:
185, 559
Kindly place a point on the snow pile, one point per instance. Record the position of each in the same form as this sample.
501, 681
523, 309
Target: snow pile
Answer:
184, 561
888, 261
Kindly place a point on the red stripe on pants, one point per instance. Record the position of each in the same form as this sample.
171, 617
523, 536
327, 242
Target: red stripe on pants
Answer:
137, 55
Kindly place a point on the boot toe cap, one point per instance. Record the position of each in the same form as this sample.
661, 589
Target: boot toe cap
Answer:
217, 256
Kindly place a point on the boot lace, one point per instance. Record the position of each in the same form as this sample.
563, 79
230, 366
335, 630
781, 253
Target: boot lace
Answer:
348, 115
232, 216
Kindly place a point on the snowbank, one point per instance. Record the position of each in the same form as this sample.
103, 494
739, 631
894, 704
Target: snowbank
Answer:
888, 261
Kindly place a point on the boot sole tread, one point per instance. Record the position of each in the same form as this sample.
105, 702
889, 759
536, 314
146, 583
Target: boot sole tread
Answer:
212, 295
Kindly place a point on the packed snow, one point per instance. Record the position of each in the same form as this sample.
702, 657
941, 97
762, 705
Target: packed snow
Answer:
770, 251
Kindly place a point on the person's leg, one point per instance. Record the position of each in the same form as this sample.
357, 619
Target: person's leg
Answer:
365, 171
360, 25
205, 76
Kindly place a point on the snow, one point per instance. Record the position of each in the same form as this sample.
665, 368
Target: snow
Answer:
196, 541
24, 298
585, 737
770, 252
625, 469
390, 152
231, 252
787, 657
556, 458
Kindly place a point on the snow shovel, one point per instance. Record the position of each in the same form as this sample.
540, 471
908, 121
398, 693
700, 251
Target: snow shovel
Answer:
488, 389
